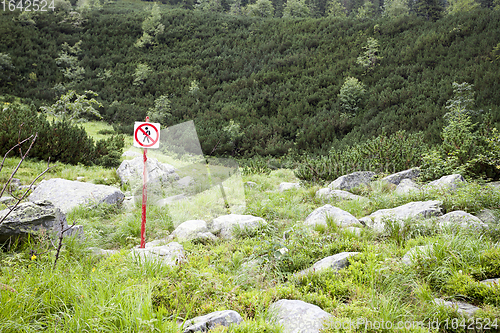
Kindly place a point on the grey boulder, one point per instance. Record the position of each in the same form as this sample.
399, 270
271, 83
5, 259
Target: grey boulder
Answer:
193, 230
335, 262
396, 178
67, 194
491, 282
462, 219
328, 193
226, 224
170, 254
131, 171
423, 251
298, 316
409, 211
212, 320
288, 186
29, 217
447, 182
339, 216
352, 180
406, 186
461, 307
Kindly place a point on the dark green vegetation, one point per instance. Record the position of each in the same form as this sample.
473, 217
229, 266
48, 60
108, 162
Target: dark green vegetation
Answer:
60, 141
278, 78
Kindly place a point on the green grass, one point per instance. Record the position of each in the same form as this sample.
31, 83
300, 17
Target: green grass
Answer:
248, 273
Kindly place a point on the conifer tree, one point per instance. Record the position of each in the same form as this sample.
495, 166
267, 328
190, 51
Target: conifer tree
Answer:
296, 8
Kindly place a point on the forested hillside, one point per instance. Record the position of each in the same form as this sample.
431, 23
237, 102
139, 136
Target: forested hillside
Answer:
256, 85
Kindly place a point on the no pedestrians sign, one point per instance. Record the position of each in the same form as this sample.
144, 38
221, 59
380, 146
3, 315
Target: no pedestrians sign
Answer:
146, 135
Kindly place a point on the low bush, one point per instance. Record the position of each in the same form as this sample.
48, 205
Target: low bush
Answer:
59, 141
394, 153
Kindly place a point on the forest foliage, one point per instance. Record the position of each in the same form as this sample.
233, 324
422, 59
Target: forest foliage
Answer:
301, 85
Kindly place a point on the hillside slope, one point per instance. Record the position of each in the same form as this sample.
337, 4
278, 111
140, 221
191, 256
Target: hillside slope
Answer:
278, 78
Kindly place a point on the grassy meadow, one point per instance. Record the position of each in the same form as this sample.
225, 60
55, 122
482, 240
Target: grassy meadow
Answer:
89, 293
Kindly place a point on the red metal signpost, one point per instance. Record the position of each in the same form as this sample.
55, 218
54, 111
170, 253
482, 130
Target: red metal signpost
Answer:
144, 195
151, 138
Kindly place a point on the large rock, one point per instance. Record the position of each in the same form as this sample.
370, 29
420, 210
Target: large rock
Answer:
396, 178
131, 171
462, 219
339, 216
67, 194
328, 193
447, 182
211, 320
288, 186
170, 254
352, 180
193, 230
298, 316
406, 186
491, 282
410, 211
29, 217
335, 262
225, 225
461, 307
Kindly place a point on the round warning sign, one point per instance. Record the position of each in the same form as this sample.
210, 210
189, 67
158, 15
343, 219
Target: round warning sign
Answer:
147, 135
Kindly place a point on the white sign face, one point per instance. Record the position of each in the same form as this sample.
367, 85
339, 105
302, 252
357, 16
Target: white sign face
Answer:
146, 135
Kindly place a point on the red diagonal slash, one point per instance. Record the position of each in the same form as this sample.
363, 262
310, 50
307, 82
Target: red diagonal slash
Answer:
146, 134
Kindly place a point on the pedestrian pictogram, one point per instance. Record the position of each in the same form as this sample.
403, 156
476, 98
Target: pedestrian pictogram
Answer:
146, 135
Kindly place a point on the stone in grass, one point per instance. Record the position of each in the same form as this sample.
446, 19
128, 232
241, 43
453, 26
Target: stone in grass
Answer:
67, 195
288, 186
461, 307
193, 230
170, 254
492, 282
212, 320
406, 186
298, 316
413, 253
339, 216
411, 210
131, 171
335, 262
396, 178
352, 180
225, 225
447, 182
30, 217
462, 219
327, 193
250, 184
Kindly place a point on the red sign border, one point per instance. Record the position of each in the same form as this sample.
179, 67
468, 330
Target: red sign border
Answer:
137, 130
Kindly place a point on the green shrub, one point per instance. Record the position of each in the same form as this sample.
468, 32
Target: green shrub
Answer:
397, 152
462, 285
255, 166
59, 141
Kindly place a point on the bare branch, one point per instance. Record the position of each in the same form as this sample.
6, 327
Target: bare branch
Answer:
11, 149
19, 164
59, 246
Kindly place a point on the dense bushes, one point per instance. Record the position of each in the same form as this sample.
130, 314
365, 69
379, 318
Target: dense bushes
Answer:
393, 153
279, 79
59, 141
